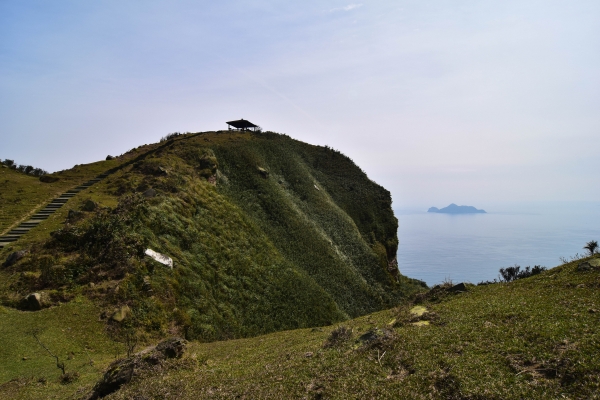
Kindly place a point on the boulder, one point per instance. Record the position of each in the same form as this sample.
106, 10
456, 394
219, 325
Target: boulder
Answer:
74, 215
89, 205
109, 157
33, 302
121, 314
147, 285
150, 193
584, 266
122, 371
263, 172
48, 179
589, 265
458, 288
375, 337
171, 348
14, 257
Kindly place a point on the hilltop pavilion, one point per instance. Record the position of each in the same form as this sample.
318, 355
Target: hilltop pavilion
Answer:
243, 125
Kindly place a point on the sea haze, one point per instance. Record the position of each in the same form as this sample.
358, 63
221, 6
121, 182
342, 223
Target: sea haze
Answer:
473, 247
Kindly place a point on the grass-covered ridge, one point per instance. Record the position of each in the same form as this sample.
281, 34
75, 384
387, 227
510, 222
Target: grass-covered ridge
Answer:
267, 233
534, 338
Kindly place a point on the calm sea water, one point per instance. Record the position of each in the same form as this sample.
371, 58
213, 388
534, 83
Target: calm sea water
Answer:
472, 248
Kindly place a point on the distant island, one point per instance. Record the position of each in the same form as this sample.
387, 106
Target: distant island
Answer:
454, 209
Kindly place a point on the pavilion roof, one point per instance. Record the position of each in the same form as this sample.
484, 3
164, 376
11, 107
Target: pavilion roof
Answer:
241, 124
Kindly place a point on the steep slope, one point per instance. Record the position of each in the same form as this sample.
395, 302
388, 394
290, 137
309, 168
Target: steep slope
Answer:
267, 233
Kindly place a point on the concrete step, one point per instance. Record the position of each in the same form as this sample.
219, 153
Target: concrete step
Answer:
50, 208
18, 232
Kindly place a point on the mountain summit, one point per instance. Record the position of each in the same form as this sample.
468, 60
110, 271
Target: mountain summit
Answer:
260, 233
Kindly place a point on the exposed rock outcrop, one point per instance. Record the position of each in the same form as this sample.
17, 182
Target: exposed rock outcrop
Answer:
122, 371
14, 257
32, 302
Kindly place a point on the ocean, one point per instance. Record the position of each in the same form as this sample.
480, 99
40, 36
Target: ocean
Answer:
473, 247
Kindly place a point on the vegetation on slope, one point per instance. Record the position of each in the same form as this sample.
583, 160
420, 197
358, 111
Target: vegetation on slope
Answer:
534, 338
267, 233
21, 194
270, 234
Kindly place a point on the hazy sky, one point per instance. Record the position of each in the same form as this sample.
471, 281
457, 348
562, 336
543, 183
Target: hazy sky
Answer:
472, 102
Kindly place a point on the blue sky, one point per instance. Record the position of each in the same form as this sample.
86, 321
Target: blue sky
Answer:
471, 102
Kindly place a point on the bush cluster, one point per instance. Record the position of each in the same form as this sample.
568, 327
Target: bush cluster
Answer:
25, 169
510, 274
170, 136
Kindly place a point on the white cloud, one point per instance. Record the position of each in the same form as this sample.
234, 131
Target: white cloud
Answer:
346, 8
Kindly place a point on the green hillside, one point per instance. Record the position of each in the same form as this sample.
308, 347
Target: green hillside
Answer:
534, 338
284, 283
267, 233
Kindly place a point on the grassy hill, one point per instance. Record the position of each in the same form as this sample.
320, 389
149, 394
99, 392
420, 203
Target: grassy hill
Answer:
284, 282
267, 233
534, 338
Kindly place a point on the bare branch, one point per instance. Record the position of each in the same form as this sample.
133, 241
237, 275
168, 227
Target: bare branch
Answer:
59, 365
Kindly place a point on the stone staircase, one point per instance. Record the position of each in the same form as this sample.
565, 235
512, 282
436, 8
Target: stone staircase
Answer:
61, 200
47, 211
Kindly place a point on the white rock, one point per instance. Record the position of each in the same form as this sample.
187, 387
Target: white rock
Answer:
161, 258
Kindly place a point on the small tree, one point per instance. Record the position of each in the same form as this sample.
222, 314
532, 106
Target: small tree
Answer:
591, 246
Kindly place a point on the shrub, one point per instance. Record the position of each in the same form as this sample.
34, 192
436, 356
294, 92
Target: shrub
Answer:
591, 246
107, 238
169, 136
513, 273
26, 169
338, 336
